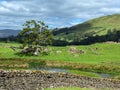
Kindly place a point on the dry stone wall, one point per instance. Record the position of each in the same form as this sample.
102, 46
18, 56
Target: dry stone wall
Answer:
38, 80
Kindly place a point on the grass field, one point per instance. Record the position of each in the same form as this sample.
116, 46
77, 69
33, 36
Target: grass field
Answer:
99, 57
94, 54
74, 88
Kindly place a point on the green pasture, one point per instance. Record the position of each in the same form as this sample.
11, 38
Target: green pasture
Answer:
74, 88
94, 54
99, 57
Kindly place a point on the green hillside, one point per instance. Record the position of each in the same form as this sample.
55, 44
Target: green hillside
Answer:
99, 26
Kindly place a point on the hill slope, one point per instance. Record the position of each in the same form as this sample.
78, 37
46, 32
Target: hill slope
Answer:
99, 26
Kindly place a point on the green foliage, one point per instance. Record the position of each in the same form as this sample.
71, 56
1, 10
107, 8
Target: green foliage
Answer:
35, 33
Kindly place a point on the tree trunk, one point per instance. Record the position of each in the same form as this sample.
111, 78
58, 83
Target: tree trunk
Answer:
36, 51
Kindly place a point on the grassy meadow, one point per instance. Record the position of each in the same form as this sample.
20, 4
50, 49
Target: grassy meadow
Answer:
70, 88
75, 88
94, 54
99, 57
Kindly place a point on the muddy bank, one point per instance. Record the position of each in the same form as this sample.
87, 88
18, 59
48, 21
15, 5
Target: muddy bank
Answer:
36, 80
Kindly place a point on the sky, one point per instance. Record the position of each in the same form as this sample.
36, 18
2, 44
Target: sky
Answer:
55, 13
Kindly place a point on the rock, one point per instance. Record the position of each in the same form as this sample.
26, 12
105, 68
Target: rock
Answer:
58, 52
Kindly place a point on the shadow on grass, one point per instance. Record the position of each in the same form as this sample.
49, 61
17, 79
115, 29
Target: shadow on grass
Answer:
22, 55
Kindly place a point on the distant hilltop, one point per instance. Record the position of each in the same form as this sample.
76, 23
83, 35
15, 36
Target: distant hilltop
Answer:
94, 27
8, 32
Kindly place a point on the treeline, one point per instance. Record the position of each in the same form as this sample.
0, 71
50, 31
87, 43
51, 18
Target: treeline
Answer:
9, 39
110, 36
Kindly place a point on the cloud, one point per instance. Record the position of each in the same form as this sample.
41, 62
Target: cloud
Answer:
110, 10
56, 13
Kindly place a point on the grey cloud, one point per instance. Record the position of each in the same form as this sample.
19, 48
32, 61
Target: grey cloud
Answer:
56, 13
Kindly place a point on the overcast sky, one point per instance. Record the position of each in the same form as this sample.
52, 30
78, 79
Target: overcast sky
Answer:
56, 13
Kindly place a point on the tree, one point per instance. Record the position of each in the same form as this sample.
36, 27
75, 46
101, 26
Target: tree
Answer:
34, 35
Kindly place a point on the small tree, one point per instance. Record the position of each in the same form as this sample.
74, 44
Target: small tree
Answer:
34, 35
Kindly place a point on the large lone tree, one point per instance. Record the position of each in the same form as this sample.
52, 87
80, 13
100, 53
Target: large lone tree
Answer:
35, 35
